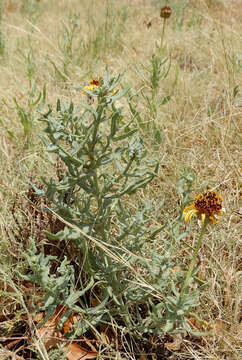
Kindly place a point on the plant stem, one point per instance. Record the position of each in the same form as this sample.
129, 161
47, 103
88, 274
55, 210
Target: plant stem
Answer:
163, 32
194, 259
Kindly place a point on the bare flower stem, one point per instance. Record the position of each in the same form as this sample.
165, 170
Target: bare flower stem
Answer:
163, 32
194, 259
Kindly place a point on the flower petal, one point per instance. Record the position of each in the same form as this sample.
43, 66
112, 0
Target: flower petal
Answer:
213, 219
187, 208
203, 217
189, 214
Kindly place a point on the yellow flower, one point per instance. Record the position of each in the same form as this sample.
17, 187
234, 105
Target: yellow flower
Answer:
205, 206
93, 84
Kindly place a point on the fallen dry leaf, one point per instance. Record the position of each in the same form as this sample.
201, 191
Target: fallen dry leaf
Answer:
194, 324
68, 323
75, 352
51, 336
175, 344
48, 334
6, 288
12, 343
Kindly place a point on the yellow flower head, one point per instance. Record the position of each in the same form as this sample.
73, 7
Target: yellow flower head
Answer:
93, 84
205, 206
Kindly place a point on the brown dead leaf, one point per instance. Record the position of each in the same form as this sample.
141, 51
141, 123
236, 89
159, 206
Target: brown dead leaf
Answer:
68, 323
5, 287
75, 352
175, 344
194, 324
12, 343
58, 314
49, 334
38, 317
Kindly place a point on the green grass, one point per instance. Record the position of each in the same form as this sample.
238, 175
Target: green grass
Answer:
188, 112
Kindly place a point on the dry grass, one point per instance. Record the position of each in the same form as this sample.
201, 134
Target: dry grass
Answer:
200, 126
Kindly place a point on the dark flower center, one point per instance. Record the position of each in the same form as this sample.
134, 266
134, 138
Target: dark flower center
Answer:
209, 203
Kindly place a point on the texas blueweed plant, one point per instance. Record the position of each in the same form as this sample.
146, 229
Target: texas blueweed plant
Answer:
103, 158
110, 270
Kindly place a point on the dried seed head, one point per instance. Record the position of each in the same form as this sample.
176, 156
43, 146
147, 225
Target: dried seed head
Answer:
165, 12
